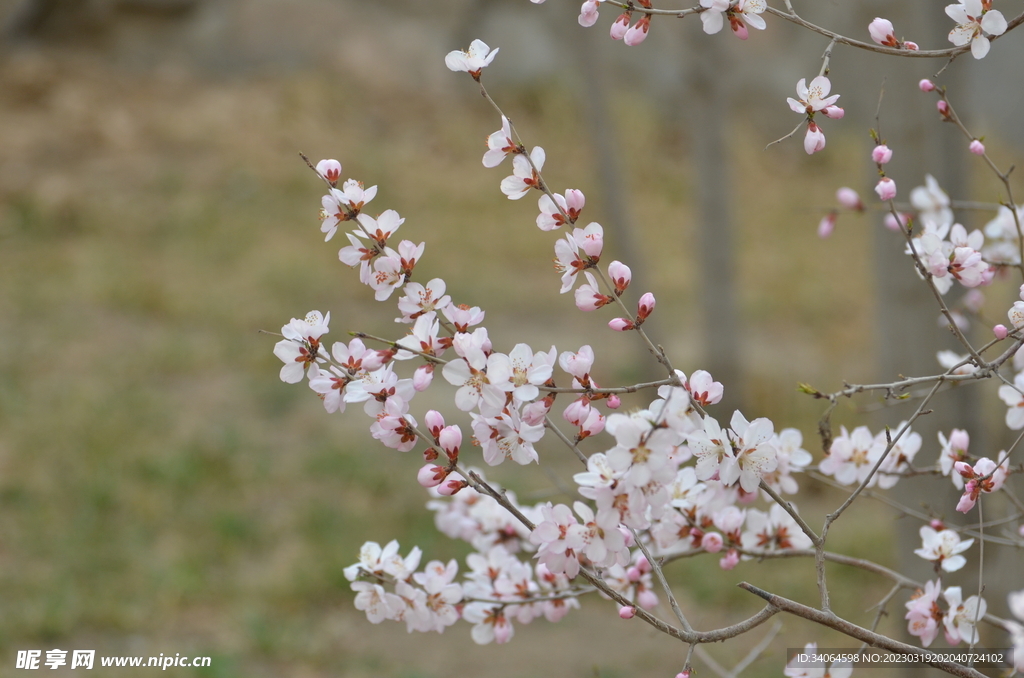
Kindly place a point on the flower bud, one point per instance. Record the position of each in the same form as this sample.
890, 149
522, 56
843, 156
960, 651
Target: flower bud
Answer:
647, 599
434, 421
588, 13
942, 107
976, 147
848, 198
886, 188
621, 25
926, 85
881, 154
937, 525
912, 46
1000, 331
638, 32
614, 402
881, 32
620, 324
893, 224
620, 275
712, 542
627, 612
645, 306
730, 560
431, 475
834, 112
330, 170
814, 140
422, 377
827, 225
451, 486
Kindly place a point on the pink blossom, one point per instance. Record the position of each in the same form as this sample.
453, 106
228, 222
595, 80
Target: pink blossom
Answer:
999, 331
499, 145
588, 295
923, 613
637, 33
645, 307
886, 188
561, 210
942, 107
976, 147
627, 612
730, 560
431, 475
620, 275
813, 97
881, 154
926, 85
896, 223
524, 174
711, 542
621, 324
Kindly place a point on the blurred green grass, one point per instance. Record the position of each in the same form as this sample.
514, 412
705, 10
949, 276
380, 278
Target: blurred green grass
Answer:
161, 490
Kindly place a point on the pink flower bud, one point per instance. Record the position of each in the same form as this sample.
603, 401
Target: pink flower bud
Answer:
621, 324
614, 402
643, 565
966, 502
976, 147
431, 475
577, 411
533, 414
621, 25
942, 107
937, 524
834, 112
881, 32
645, 306
330, 170
886, 189
912, 46
620, 275
848, 198
422, 377
451, 486
502, 633
881, 154
627, 612
1000, 331
712, 542
730, 560
974, 300
926, 85
638, 32
814, 140
827, 225
434, 421
647, 599
450, 439
683, 674
627, 534
739, 29
633, 574
1021, 530
588, 13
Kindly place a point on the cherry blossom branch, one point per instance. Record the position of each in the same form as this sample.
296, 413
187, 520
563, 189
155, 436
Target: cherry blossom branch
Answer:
656, 566
550, 425
926, 274
832, 621
394, 344
950, 115
950, 53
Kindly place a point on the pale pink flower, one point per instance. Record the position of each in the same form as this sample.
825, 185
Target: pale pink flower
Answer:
713, 16
524, 174
976, 147
813, 97
963, 615
974, 25
561, 210
620, 26
926, 85
1011, 395
499, 145
473, 60
703, 388
923, 613
300, 348
944, 548
953, 450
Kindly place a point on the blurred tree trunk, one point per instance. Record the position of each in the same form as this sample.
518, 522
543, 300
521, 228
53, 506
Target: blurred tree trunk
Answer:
711, 170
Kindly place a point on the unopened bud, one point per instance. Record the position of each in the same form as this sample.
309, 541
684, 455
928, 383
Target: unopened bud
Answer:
926, 85
627, 611
976, 147
1000, 331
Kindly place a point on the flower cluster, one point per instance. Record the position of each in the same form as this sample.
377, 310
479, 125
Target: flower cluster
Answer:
925, 616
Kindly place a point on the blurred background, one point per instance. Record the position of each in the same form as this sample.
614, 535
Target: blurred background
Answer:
162, 491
